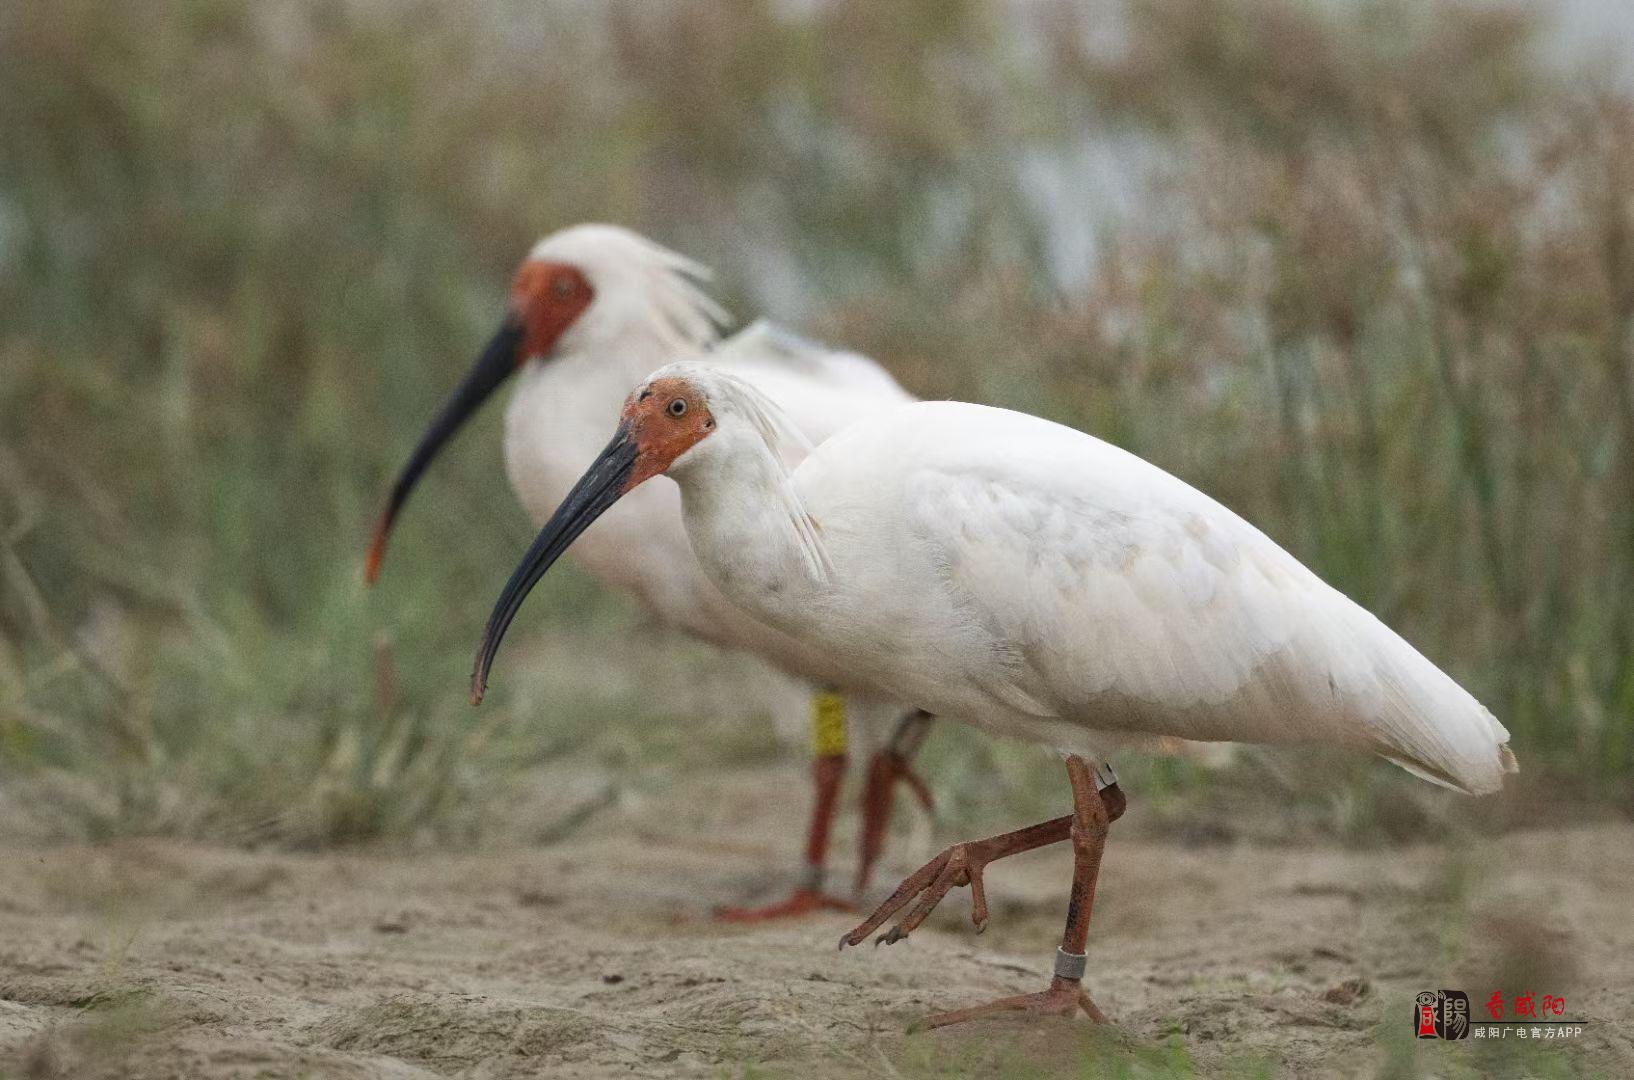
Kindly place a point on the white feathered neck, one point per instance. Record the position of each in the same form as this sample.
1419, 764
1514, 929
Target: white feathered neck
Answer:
740, 407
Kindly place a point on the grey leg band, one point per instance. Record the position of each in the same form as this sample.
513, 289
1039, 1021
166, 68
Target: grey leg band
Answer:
1069, 965
1104, 776
811, 877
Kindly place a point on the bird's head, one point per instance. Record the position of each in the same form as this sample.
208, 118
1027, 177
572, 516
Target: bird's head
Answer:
683, 414
595, 285
663, 419
583, 287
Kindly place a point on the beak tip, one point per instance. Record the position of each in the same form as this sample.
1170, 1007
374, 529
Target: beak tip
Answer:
599, 488
479, 673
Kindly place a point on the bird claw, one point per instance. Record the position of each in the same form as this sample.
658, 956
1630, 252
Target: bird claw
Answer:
954, 867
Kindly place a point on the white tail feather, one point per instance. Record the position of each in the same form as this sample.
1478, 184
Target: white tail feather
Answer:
1428, 724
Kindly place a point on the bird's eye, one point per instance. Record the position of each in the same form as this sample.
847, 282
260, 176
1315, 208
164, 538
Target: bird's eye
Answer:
561, 287
678, 407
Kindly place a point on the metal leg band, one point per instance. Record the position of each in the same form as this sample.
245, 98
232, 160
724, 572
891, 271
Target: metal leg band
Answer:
1104, 776
1069, 965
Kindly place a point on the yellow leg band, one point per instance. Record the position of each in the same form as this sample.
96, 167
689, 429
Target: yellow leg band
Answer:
827, 724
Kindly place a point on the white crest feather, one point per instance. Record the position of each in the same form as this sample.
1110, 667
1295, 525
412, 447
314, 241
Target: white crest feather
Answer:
694, 317
668, 285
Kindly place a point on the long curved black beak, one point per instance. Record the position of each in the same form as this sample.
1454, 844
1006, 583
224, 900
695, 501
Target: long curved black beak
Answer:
493, 367
598, 489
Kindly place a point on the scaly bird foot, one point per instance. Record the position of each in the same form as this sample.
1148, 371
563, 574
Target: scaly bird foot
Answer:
960, 864
1064, 998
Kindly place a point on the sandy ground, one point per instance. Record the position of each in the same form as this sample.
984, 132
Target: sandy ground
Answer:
593, 957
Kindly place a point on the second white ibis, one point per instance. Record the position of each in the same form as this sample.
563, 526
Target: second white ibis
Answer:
593, 308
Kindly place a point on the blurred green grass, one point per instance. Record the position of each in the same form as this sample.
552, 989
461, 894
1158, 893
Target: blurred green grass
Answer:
1365, 274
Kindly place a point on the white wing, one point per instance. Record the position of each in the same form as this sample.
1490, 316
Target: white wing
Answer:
1129, 601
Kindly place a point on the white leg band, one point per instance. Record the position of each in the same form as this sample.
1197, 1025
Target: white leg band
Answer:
1069, 965
1104, 776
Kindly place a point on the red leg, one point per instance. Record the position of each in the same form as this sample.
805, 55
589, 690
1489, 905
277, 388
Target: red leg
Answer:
962, 864
1093, 811
889, 766
827, 770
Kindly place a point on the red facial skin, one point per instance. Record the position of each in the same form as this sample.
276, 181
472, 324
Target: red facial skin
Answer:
660, 435
547, 297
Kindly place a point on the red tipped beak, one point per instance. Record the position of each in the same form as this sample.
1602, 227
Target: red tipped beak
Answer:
377, 549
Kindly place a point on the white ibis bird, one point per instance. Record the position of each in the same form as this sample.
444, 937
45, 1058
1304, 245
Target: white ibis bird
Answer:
1035, 581
593, 308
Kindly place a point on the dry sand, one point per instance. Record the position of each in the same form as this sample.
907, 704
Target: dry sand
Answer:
592, 957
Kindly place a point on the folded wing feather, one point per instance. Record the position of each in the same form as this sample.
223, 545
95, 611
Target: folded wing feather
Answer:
1133, 602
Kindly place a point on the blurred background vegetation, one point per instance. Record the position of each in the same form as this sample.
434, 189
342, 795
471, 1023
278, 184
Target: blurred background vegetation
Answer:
1362, 270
